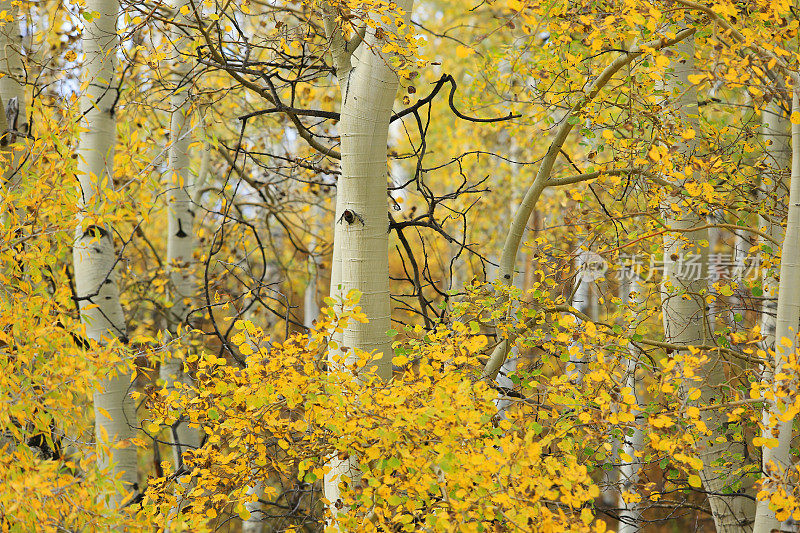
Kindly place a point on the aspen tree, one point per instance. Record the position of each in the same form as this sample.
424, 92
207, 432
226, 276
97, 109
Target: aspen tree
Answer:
181, 242
310, 304
628, 471
775, 132
94, 256
12, 88
543, 178
777, 457
683, 293
368, 86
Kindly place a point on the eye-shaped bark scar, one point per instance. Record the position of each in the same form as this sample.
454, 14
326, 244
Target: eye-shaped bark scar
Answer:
350, 217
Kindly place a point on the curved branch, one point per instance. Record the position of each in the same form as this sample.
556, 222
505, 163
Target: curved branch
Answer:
514, 237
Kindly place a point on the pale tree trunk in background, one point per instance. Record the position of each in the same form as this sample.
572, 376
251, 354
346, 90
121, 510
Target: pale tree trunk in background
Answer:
775, 132
272, 240
310, 302
255, 523
628, 472
12, 91
683, 305
180, 239
504, 381
93, 252
778, 459
368, 87
513, 240
310, 305
582, 301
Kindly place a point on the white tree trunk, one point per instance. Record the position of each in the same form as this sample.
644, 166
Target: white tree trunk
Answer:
778, 459
683, 302
12, 91
368, 87
775, 132
310, 303
93, 252
630, 513
180, 239
582, 301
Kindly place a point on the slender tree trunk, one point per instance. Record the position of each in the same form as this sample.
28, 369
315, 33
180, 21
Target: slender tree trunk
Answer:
775, 132
181, 241
778, 459
684, 307
12, 92
628, 472
310, 302
582, 301
93, 252
368, 87
513, 240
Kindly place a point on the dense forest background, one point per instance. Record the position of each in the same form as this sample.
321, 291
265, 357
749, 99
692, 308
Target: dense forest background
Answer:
372, 265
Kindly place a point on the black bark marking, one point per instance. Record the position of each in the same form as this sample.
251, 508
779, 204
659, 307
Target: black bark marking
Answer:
180, 234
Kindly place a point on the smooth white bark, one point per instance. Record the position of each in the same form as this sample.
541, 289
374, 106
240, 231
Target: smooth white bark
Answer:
630, 514
93, 253
310, 301
368, 87
778, 458
775, 132
582, 301
181, 242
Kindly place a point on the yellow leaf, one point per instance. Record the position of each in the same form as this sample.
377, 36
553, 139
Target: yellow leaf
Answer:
795, 118
464, 51
694, 79
694, 481
586, 516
